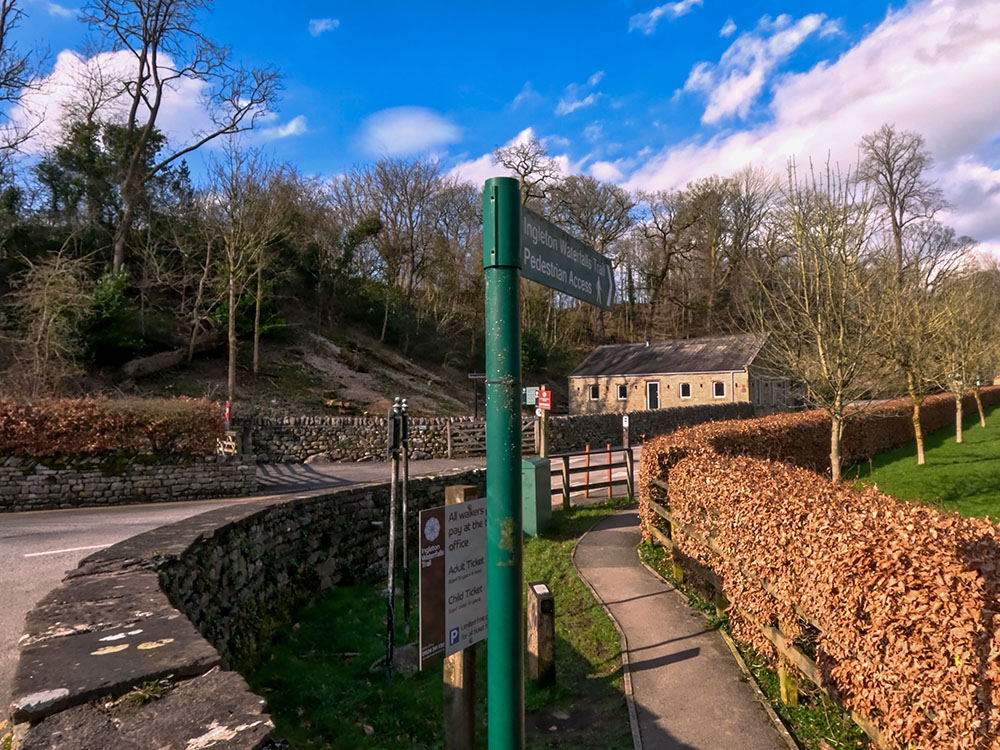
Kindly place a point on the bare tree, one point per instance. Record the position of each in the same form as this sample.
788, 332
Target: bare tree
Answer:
894, 163
246, 222
810, 287
968, 339
15, 74
50, 298
599, 213
168, 48
664, 239
535, 169
912, 319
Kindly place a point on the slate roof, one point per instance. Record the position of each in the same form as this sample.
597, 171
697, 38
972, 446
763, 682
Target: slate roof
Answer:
714, 354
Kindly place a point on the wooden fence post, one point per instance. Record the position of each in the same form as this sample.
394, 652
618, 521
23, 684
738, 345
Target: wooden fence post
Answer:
449, 438
566, 485
787, 683
608, 448
630, 473
586, 488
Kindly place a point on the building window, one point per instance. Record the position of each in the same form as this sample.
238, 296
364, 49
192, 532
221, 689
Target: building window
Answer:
622, 392
685, 390
652, 394
719, 389
595, 392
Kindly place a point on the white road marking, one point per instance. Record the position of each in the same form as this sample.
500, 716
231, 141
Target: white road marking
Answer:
71, 549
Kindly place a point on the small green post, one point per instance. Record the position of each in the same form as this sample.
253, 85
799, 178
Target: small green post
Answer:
502, 264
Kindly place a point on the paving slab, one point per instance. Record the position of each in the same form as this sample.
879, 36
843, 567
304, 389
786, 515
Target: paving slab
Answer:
66, 671
689, 692
215, 711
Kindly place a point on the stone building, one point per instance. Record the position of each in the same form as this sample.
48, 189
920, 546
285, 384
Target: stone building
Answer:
664, 374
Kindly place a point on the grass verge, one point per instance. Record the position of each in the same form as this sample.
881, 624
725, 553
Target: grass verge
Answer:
957, 476
816, 723
322, 692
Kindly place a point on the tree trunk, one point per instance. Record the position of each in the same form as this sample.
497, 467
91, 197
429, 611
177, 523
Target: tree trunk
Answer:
196, 311
256, 321
917, 399
385, 317
836, 427
121, 233
979, 407
231, 380
958, 418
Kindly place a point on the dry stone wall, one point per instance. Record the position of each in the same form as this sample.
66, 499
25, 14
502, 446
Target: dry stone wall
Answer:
30, 483
293, 439
186, 603
572, 433
344, 438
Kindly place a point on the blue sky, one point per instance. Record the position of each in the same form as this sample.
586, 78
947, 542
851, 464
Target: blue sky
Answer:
649, 96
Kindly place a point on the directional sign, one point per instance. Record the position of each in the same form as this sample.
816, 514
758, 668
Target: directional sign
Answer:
559, 261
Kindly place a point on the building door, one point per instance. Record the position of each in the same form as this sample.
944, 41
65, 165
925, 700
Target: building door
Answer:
652, 394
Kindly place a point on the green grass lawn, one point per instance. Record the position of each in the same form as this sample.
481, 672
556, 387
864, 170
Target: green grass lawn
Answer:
322, 692
957, 476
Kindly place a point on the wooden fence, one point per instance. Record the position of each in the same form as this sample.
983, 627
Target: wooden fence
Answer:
602, 471
469, 438
790, 654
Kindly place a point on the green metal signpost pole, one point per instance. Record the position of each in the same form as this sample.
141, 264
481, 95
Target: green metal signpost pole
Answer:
501, 261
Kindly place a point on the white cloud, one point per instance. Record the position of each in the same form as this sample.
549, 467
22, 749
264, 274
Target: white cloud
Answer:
526, 94
298, 125
570, 104
318, 26
606, 171
740, 75
55, 9
594, 131
45, 107
646, 22
728, 28
572, 100
402, 131
930, 67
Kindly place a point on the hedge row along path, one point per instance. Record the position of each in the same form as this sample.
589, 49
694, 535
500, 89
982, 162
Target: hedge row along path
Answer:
897, 601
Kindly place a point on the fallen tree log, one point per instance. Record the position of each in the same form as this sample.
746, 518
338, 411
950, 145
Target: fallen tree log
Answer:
143, 367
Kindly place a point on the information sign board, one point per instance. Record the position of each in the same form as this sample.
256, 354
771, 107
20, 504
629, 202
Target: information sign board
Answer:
545, 400
452, 578
558, 260
529, 395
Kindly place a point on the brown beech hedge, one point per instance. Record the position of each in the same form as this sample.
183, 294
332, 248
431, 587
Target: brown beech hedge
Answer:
901, 599
55, 427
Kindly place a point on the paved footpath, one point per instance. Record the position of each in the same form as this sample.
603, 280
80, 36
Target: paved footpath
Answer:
688, 690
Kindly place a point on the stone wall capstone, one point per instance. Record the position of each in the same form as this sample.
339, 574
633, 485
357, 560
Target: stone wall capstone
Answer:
31, 483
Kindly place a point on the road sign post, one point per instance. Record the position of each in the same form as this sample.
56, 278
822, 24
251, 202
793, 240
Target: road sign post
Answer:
501, 263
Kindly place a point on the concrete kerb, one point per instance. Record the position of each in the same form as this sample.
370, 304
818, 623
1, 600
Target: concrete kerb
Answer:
633, 716
764, 702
